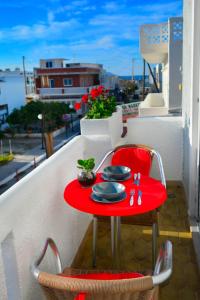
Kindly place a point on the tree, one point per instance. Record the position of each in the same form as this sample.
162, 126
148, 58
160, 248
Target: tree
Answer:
128, 87
27, 116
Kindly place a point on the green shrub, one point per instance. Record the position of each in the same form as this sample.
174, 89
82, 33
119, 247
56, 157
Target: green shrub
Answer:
5, 158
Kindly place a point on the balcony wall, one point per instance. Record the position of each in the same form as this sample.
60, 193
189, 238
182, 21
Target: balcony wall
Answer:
164, 134
64, 91
34, 209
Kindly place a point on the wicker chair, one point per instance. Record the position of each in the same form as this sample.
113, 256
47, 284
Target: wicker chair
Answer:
78, 285
139, 158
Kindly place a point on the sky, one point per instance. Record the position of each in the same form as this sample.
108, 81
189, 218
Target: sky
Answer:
105, 32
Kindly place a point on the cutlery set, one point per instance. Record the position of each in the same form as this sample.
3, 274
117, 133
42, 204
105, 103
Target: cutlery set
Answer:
136, 181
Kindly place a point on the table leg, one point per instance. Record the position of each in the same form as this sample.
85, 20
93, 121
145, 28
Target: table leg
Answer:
112, 219
117, 241
94, 241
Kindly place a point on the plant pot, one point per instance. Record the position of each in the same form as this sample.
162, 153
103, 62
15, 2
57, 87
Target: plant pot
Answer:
111, 126
86, 179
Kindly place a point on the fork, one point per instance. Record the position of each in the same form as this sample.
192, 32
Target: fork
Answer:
138, 177
139, 200
135, 178
132, 193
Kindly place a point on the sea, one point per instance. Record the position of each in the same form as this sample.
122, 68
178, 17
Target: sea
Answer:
136, 77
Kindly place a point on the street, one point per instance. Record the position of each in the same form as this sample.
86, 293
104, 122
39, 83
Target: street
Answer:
28, 151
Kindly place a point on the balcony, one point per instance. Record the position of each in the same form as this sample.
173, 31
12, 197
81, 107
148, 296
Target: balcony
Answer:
154, 42
158, 40
63, 93
34, 208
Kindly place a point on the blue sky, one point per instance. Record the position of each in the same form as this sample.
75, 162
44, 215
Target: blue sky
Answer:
104, 32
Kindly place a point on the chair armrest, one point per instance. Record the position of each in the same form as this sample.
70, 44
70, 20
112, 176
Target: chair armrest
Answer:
163, 267
160, 164
104, 158
34, 266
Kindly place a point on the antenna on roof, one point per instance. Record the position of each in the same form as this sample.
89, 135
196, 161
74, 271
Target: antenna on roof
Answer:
24, 71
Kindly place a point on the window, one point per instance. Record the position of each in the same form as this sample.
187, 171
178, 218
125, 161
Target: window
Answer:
49, 64
51, 83
68, 82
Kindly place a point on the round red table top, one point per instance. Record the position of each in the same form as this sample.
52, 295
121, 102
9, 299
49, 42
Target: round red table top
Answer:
153, 196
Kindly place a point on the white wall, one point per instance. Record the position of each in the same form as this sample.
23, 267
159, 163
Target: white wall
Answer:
175, 62
164, 134
191, 65
34, 209
165, 83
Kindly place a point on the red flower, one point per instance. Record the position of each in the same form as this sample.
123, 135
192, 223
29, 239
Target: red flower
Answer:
94, 93
77, 105
101, 89
85, 99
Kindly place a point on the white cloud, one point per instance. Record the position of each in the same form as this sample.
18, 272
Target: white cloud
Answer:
38, 30
112, 6
105, 42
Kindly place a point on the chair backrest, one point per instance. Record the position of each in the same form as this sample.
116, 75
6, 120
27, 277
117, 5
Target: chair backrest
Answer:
58, 287
137, 157
153, 100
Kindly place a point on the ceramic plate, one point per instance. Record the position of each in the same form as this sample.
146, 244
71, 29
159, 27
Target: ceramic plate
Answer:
108, 190
108, 178
108, 201
118, 172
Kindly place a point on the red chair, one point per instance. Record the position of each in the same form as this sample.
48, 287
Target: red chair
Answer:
139, 159
75, 284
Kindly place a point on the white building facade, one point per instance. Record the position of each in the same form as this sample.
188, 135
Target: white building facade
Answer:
162, 44
12, 88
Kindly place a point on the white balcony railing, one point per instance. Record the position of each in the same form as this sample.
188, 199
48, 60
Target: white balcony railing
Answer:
64, 91
50, 91
155, 39
154, 42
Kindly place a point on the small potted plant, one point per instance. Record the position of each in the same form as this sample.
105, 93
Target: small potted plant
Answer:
86, 177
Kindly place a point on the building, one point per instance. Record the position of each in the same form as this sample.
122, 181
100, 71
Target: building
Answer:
13, 89
162, 44
56, 79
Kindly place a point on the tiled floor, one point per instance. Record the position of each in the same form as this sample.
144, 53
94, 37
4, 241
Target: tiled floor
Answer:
136, 248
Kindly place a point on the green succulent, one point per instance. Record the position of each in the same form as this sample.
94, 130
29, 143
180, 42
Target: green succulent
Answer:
86, 164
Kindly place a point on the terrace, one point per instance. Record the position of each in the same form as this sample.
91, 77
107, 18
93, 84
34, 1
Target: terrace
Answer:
34, 208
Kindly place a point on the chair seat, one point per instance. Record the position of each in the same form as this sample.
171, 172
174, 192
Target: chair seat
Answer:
99, 274
147, 219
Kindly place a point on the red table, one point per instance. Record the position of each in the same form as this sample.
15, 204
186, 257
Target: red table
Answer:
153, 196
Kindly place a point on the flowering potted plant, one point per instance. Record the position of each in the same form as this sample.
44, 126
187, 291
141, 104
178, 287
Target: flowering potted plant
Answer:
100, 103
103, 116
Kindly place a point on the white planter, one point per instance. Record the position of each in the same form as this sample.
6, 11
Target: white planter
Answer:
111, 126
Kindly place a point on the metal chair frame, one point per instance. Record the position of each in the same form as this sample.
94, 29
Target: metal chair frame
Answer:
155, 229
162, 271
